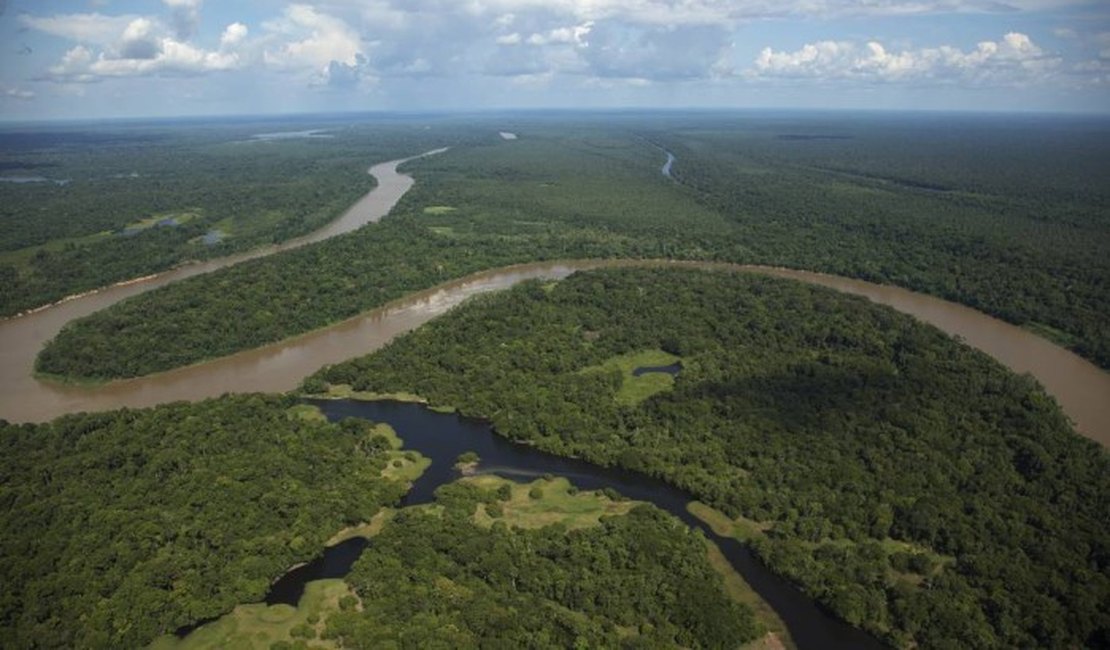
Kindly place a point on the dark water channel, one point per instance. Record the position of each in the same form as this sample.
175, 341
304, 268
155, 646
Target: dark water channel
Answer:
671, 370
442, 437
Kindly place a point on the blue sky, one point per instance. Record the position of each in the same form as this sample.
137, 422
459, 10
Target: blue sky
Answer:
127, 58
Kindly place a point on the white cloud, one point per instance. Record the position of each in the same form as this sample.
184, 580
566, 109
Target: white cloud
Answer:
311, 39
1013, 59
574, 35
90, 29
700, 12
233, 35
139, 40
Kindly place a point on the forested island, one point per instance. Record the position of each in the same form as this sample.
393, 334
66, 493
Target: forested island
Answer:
1025, 245
908, 483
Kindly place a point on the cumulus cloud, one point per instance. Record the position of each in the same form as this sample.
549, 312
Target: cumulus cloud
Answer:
139, 40
312, 39
233, 35
1013, 59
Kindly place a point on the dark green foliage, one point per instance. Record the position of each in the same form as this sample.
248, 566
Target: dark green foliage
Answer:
1010, 216
119, 527
442, 581
840, 424
1031, 256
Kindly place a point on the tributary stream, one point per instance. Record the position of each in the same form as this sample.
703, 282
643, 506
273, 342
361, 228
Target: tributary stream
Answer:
442, 437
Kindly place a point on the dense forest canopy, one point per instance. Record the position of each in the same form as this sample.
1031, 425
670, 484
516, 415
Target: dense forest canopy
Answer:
907, 482
118, 527
436, 578
908, 201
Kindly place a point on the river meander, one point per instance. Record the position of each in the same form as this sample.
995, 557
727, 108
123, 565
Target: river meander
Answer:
1082, 389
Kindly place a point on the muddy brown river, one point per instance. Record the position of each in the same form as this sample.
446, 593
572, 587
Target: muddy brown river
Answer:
1081, 388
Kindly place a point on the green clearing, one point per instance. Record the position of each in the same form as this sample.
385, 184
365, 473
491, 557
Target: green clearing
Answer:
439, 209
345, 391
560, 503
306, 412
635, 390
366, 529
257, 626
180, 217
739, 528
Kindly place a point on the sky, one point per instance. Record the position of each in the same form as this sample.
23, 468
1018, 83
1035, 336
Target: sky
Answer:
91, 59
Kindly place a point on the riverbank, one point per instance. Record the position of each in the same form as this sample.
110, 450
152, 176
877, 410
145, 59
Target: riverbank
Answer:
1080, 387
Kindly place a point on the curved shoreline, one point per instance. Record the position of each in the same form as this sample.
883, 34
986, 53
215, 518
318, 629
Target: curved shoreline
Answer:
23, 335
1079, 386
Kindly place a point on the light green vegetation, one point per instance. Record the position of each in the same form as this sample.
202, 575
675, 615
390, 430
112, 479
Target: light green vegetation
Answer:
306, 412
180, 218
634, 389
739, 528
439, 209
257, 626
740, 591
560, 503
344, 391
367, 529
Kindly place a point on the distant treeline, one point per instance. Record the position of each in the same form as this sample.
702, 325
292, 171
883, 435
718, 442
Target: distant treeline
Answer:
65, 237
1026, 248
907, 482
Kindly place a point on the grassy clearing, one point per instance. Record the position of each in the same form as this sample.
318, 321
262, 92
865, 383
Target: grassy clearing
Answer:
257, 626
179, 217
559, 503
306, 412
368, 529
439, 209
21, 257
740, 528
634, 390
344, 391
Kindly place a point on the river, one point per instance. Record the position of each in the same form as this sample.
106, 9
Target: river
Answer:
1081, 388
442, 437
